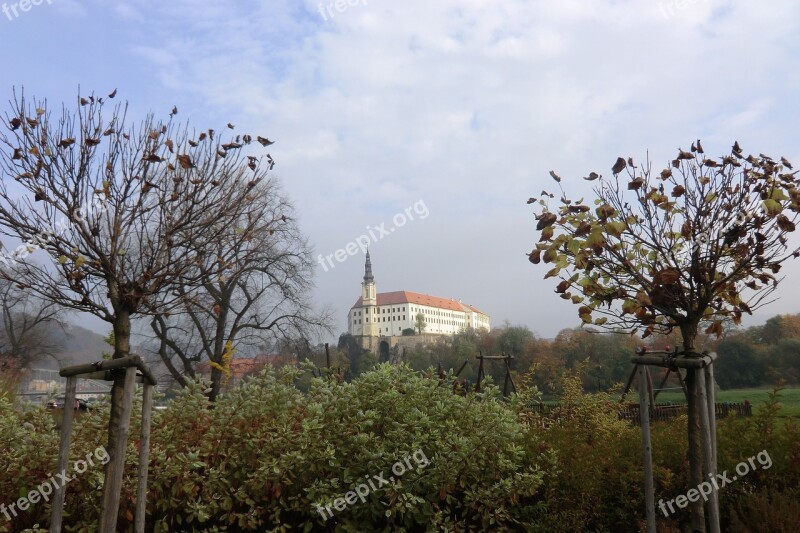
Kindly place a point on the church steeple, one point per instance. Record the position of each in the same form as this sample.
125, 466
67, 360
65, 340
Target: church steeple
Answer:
368, 278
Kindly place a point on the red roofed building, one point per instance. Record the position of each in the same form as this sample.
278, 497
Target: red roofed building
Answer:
387, 314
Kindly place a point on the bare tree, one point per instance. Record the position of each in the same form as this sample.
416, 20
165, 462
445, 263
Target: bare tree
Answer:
698, 242
257, 279
120, 209
28, 326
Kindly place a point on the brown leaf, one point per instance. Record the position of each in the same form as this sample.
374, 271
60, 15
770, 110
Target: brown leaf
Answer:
636, 184
64, 143
619, 166
715, 329
231, 146
535, 257
112, 94
15, 123
678, 191
545, 220
578, 208
555, 176
667, 276
92, 142
563, 287
784, 223
18, 153
185, 161
170, 145
153, 158
264, 141
584, 228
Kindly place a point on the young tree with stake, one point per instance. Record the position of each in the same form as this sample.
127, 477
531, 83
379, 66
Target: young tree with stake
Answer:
697, 243
119, 209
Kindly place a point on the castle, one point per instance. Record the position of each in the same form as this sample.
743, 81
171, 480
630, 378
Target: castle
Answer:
379, 319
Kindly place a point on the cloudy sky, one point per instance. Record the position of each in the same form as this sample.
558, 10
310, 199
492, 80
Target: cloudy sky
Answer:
451, 111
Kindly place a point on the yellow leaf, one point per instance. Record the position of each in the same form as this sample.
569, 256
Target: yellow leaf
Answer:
771, 207
62, 259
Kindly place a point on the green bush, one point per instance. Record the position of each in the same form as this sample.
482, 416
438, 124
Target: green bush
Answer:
266, 455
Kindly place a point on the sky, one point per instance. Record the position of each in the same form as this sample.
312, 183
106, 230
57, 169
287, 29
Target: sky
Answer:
434, 121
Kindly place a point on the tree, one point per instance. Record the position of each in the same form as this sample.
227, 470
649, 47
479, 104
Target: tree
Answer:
257, 278
119, 209
699, 241
420, 323
743, 365
27, 328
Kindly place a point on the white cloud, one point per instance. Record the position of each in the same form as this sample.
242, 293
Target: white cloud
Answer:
466, 104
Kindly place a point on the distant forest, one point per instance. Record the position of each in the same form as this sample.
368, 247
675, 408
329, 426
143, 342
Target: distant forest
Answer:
748, 357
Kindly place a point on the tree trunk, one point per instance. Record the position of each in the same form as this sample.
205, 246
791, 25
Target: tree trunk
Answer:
122, 339
216, 383
697, 511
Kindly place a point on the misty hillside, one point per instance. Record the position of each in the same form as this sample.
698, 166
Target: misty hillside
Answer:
77, 345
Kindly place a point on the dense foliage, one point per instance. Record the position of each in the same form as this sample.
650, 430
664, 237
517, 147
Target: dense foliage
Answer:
266, 454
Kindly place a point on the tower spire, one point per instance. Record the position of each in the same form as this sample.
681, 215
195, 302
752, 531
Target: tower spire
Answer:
368, 278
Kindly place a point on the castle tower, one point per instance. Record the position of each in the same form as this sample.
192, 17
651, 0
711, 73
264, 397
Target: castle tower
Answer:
369, 298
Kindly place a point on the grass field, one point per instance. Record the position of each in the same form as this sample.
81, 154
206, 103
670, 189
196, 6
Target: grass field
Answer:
789, 397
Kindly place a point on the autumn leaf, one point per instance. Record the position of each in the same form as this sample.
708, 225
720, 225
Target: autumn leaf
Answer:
635, 184
545, 220
771, 207
784, 223
555, 176
185, 161
619, 166
667, 276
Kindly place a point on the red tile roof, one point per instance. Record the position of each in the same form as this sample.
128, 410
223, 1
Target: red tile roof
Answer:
408, 297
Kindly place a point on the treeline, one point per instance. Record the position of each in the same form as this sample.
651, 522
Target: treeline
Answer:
748, 357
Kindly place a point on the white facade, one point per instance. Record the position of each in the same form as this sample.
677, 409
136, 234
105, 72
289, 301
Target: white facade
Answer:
388, 314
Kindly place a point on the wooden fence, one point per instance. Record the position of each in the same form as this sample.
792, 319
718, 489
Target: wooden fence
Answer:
662, 411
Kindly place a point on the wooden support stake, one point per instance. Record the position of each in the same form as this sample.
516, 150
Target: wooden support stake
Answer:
113, 482
683, 385
661, 386
705, 434
57, 513
144, 459
644, 419
712, 429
